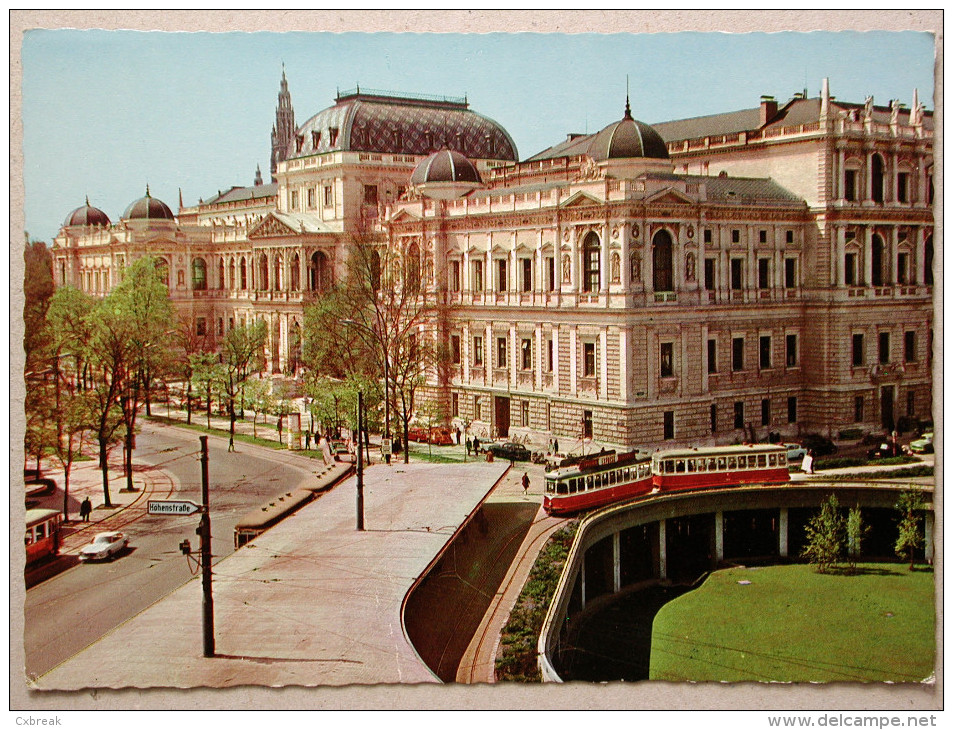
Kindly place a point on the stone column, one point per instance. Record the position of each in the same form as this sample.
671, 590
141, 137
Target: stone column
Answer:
603, 365
662, 552
616, 563
573, 364
783, 533
719, 536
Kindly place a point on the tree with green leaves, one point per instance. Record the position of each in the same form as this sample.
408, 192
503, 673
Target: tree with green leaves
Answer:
910, 505
205, 376
241, 355
190, 343
856, 532
825, 536
259, 399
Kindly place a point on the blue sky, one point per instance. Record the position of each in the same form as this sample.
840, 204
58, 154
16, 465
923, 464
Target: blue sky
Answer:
106, 112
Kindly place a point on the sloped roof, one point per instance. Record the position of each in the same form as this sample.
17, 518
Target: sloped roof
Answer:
237, 193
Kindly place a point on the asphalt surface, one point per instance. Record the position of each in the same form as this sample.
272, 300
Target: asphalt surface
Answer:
71, 610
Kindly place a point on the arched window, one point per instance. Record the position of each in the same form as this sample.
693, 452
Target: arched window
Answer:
231, 273
296, 273
221, 273
162, 269
262, 273
199, 280
591, 260
243, 274
877, 178
318, 271
877, 260
412, 273
277, 279
662, 270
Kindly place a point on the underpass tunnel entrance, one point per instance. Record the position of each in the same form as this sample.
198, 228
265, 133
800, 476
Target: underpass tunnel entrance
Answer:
752, 533
638, 554
690, 547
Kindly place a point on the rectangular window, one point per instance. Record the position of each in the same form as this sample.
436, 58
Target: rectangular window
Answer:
765, 411
713, 414
328, 196
477, 350
909, 346
883, 347
792, 409
477, 284
294, 200
903, 267
850, 269
550, 273
707, 235
370, 195
666, 366
763, 273
590, 269
739, 414
911, 404
527, 274
455, 349
738, 353
710, 274
454, 276
764, 352
902, 182
524, 413
501, 352
200, 326
587, 424
477, 408
455, 405
668, 425
858, 408
762, 236
790, 351
735, 235
790, 273
526, 354
501, 283
857, 350
789, 236
311, 197
549, 356
712, 356
850, 184
589, 359
737, 277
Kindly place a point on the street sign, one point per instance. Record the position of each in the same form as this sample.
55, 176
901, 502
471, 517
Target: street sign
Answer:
385, 447
173, 507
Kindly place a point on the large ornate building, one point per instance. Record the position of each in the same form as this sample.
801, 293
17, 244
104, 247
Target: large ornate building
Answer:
707, 279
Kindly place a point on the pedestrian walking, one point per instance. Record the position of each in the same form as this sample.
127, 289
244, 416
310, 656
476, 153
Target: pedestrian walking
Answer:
808, 463
476, 444
457, 432
469, 445
525, 483
307, 439
555, 446
84, 509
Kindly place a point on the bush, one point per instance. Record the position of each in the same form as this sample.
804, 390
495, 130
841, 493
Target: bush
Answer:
820, 445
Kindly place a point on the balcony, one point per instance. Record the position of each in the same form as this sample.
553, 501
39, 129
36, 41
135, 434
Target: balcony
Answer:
665, 297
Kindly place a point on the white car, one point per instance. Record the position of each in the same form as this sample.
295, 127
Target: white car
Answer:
104, 546
796, 452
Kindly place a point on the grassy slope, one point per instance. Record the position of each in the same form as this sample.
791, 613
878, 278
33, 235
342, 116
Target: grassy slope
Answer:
794, 625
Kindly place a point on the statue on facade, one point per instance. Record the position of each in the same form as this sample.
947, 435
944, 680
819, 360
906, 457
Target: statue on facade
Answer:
635, 268
690, 267
615, 266
868, 108
567, 269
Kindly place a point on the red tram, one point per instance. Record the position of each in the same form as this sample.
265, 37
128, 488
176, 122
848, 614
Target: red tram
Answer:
608, 478
42, 534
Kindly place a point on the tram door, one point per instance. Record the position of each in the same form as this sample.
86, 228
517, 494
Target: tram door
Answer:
502, 405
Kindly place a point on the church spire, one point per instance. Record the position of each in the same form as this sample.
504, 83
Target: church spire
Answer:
283, 131
628, 109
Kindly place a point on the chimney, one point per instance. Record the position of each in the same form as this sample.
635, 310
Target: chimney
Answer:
769, 109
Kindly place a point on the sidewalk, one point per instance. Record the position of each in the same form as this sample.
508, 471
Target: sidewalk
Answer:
311, 602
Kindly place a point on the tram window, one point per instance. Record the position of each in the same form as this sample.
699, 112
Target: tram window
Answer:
782, 459
29, 537
40, 531
562, 488
691, 465
772, 460
588, 482
762, 461
702, 465
613, 477
732, 462
669, 467
722, 463
680, 466
742, 462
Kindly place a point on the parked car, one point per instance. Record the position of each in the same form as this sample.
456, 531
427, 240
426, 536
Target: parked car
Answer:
340, 452
441, 437
104, 546
510, 450
418, 434
885, 450
923, 445
796, 452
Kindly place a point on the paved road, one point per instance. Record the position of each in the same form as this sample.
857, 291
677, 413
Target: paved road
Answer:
75, 608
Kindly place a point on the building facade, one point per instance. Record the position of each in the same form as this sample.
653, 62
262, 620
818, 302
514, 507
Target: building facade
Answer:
712, 279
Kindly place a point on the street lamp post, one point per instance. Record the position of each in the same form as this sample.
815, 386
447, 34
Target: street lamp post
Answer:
360, 460
372, 335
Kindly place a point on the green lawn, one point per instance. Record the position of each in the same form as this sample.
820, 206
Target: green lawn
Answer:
791, 624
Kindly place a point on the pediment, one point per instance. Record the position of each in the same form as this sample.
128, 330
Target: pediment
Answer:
271, 227
403, 215
669, 196
580, 198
